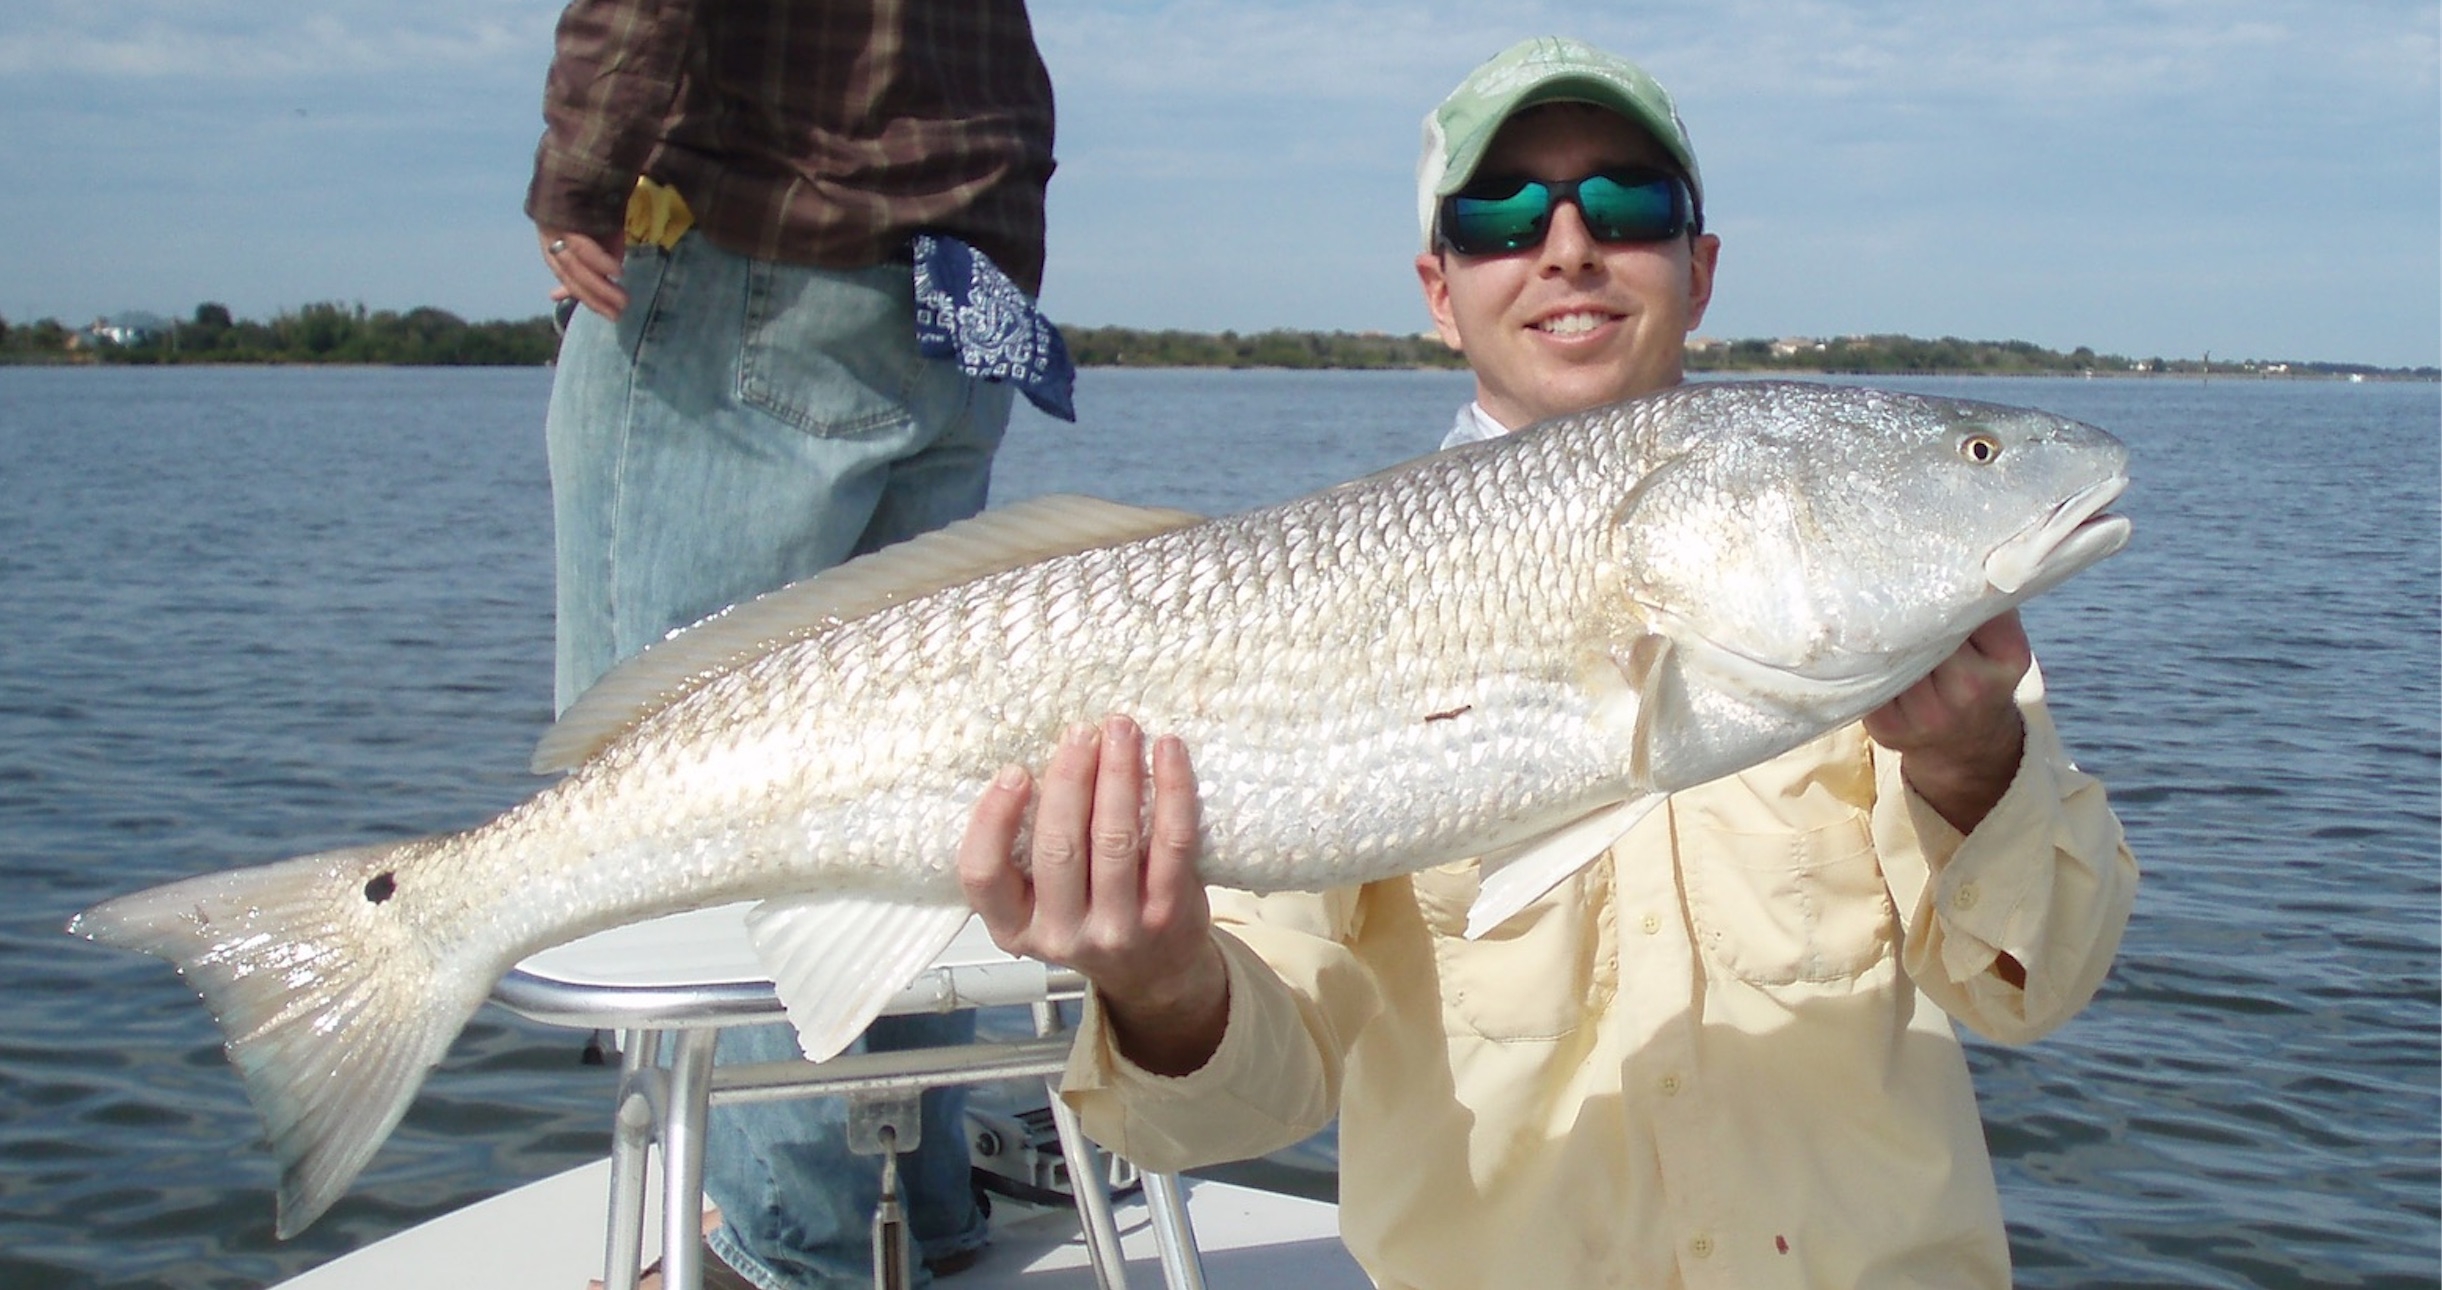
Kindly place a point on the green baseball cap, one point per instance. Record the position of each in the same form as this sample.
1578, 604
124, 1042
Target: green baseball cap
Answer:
1547, 69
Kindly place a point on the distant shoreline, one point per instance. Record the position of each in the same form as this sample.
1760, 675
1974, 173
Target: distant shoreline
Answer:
332, 335
2368, 375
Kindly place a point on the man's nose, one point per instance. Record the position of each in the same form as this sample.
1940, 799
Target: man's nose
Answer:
1567, 245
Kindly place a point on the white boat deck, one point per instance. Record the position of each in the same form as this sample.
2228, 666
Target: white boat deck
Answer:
548, 1235
689, 974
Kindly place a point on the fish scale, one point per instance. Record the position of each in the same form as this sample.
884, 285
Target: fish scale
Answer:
1506, 651
1291, 685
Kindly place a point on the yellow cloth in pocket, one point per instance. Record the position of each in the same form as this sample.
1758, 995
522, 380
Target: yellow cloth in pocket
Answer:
657, 214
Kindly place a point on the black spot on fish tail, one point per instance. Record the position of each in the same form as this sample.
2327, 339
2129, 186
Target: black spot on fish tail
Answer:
332, 1018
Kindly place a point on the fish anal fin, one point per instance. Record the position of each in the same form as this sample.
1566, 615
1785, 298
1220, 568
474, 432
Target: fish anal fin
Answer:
1516, 877
837, 960
670, 670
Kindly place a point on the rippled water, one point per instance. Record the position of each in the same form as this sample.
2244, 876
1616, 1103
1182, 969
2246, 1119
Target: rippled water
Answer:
254, 613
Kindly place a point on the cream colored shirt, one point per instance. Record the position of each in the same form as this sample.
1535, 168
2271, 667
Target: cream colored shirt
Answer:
1722, 1056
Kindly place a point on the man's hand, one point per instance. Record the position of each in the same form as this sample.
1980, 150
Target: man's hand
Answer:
1105, 892
1958, 731
587, 269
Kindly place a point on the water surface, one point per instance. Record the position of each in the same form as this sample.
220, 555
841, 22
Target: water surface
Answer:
251, 614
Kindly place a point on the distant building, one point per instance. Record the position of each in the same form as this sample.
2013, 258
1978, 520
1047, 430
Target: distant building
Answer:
133, 327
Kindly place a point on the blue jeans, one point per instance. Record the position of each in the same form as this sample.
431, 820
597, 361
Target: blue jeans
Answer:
745, 424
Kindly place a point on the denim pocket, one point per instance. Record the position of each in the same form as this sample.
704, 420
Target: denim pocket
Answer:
830, 352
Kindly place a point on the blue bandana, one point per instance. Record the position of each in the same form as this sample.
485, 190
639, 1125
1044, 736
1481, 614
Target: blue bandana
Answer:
969, 312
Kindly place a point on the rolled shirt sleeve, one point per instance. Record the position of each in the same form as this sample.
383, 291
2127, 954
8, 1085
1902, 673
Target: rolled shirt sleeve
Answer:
2046, 878
614, 78
1297, 999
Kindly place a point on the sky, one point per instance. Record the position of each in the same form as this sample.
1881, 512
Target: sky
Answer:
2244, 179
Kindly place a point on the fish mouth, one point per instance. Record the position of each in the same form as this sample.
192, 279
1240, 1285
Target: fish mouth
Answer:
2076, 534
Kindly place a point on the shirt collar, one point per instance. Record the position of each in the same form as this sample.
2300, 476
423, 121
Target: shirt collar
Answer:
1474, 425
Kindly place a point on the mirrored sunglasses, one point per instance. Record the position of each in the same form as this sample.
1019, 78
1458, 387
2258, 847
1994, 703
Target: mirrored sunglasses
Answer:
1497, 215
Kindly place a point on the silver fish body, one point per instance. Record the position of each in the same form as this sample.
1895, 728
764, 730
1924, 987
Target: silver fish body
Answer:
1471, 654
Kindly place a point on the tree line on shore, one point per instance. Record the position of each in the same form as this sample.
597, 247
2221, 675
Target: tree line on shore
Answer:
1888, 355
335, 333
316, 333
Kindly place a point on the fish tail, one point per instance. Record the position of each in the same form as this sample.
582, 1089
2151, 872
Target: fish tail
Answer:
333, 1002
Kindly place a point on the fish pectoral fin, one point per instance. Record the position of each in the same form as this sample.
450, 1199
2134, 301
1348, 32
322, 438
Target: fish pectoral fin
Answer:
1633, 704
1642, 667
1515, 877
836, 961
670, 670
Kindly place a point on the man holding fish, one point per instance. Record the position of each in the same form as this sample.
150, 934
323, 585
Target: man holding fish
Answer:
1721, 1055
1673, 773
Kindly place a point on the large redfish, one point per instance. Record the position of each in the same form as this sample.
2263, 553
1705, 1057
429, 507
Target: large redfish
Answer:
1506, 650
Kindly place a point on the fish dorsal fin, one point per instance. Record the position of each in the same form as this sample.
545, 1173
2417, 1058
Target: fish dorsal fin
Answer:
1515, 877
836, 961
672, 669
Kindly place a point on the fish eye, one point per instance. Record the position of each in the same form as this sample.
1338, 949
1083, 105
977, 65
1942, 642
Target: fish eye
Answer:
1980, 448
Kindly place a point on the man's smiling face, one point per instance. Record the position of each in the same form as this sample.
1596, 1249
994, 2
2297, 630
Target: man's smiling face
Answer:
1572, 323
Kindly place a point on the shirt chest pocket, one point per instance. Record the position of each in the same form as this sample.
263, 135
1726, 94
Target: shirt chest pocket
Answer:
1800, 904
1539, 974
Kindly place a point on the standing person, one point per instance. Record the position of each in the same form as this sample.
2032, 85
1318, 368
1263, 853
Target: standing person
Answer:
777, 217
1721, 1056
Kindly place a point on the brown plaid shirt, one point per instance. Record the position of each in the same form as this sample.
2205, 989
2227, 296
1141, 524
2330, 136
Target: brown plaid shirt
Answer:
814, 133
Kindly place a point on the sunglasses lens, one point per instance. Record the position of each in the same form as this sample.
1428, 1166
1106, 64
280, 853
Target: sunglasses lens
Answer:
1482, 222
1511, 215
1632, 208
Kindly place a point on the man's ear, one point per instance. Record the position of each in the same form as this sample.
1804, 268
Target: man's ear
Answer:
1436, 282
1703, 254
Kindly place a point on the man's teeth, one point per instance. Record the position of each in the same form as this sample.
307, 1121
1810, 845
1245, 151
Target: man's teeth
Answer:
1572, 324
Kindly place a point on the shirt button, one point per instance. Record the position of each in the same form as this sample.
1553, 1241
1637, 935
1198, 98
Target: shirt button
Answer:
1701, 1247
1670, 1086
1652, 925
1966, 897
